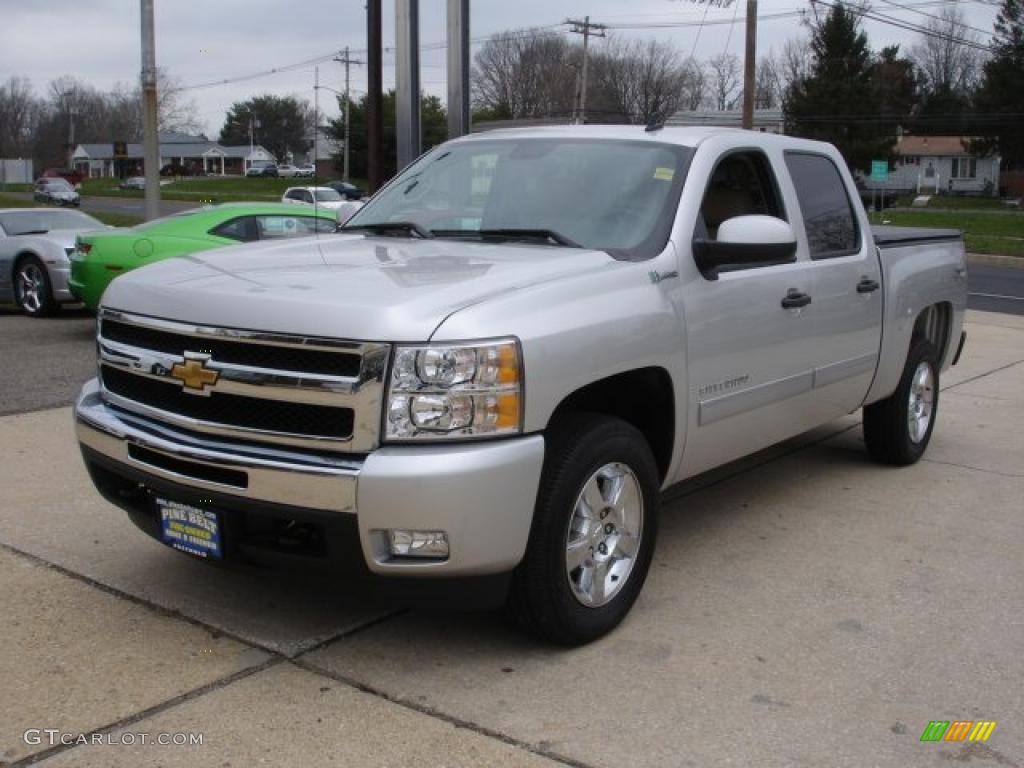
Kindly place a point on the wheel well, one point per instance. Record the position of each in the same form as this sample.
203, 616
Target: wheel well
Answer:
934, 324
17, 261
643, 397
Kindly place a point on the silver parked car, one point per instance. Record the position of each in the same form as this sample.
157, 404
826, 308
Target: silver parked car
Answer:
56, 191
35, 245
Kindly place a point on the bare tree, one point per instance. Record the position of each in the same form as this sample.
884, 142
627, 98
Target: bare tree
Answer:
794, 63
19, 114
695, 84
524, 73
642, 80
768, 86
724, 70
947, 57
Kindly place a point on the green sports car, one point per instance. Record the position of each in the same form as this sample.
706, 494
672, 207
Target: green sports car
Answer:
99, 257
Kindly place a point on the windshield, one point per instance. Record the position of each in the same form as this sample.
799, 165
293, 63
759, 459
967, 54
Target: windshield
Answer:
611, 195
327, 196
43, 221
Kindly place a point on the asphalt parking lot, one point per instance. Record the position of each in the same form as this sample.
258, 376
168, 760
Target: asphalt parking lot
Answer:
805, 608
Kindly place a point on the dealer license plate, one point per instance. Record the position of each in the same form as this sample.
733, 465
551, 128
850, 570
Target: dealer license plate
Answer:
190, 529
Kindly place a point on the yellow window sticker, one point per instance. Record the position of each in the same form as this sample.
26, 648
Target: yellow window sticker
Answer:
664, 174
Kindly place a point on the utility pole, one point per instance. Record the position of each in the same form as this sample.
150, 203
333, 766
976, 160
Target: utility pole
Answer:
750, 66
150, 135
407, 80
316, 120
71, 136
348, 61
586, 29
374, 95
458, 68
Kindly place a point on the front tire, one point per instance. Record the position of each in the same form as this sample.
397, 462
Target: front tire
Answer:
32, 290
897, 430
593, 532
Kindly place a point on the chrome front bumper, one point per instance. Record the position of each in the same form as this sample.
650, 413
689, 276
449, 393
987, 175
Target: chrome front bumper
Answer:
481, 494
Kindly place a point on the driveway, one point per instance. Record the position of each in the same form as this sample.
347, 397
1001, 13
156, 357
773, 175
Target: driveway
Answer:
805, 608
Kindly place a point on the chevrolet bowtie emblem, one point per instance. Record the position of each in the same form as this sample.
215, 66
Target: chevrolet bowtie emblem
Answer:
193, 373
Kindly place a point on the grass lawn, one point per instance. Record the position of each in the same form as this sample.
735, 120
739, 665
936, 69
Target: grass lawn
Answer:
958, 203
207, 188
114, 219
998, 233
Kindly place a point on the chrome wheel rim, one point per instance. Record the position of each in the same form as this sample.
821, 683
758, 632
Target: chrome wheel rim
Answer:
603, 538
30, 287
922, 402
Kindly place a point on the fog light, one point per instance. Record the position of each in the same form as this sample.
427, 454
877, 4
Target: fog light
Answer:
404, 543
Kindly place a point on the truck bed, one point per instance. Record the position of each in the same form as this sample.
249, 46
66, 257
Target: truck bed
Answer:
897, 237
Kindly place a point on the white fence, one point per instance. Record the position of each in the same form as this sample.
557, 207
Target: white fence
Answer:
16, 171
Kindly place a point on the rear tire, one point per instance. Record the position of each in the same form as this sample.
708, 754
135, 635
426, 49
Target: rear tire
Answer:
32, 289
897, 430
593, 532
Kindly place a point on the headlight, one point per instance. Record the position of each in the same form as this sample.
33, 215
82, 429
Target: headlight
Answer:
441, 391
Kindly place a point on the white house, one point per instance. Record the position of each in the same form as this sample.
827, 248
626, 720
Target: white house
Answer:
196, 153
943, 164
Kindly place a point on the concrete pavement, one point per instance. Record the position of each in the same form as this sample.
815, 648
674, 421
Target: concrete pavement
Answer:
806, 607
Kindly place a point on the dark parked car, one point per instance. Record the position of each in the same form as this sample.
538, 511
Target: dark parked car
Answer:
267, 169
175, 169
346, 190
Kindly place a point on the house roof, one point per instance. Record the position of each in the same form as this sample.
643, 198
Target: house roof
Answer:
934, 146
168, 150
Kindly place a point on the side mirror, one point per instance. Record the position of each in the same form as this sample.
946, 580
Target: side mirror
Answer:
347, 210
746, 241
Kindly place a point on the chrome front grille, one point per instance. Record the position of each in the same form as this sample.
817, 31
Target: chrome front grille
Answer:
272, 388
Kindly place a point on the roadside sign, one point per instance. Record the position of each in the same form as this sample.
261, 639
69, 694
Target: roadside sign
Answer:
879, 170
120, 149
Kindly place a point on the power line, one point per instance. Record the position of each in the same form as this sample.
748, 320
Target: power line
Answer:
305, 64
933, 16
911, 27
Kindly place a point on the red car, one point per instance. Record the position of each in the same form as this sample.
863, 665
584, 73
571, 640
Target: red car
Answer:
73, 177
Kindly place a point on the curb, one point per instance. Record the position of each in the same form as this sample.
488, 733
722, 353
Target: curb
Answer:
991, 260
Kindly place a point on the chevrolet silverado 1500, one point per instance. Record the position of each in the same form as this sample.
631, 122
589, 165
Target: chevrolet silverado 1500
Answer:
503, 358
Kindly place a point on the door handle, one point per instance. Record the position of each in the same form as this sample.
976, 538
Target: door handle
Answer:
867, 285
795, 300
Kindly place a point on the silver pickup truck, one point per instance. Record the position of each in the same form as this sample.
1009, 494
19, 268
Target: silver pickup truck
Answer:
503, 358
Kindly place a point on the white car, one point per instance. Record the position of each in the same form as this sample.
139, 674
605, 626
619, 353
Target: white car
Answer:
323, 197
287, 171
308, 170
35, 245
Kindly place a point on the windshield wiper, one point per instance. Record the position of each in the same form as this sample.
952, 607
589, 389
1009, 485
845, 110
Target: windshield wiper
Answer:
549, 235
33, 232
384, 227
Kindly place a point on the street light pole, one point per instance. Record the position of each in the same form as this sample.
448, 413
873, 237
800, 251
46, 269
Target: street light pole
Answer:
374, 95
407, 80
750, 65
151, 136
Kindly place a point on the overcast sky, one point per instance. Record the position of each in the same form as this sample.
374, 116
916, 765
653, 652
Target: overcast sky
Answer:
203, 42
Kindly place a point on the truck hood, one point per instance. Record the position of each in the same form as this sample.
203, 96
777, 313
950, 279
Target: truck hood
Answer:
342, 286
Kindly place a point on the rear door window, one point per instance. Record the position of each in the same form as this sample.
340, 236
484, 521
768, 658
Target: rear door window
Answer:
276, 227
828, 213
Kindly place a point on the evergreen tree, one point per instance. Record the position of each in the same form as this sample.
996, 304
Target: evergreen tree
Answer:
280, 124
433, 123
837, 102
1000, 100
